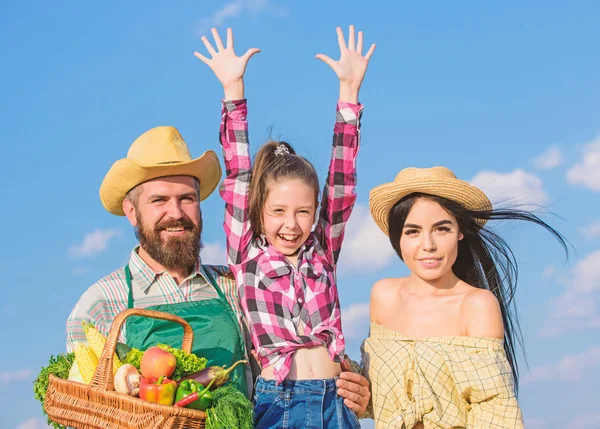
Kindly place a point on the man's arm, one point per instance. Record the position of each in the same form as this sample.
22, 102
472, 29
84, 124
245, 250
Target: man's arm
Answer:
92, 307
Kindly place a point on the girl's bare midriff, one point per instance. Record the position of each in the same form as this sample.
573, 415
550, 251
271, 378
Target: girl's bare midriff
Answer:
308, 364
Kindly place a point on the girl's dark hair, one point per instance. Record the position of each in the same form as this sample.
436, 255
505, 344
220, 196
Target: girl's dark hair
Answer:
484, 259
275, 161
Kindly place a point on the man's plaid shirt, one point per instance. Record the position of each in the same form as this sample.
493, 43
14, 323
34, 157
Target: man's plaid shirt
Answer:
276, 296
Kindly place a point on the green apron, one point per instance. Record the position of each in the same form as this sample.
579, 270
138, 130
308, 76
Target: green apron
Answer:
217, 334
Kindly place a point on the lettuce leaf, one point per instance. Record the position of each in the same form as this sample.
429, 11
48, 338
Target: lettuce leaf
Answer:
187, 363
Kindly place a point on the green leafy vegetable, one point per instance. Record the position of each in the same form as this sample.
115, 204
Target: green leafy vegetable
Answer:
187, 363
122, 350
134, 356
59, 366
231, 409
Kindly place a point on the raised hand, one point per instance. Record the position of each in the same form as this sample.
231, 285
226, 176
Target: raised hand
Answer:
226, 65
352, 65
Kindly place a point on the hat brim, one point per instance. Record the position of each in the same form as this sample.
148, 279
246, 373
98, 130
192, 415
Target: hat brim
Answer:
383, 197
125, 175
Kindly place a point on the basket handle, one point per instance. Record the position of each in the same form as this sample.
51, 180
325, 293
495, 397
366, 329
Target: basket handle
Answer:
103, 377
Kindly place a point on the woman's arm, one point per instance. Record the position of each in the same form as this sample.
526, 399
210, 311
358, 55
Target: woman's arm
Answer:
339, 193
230, 69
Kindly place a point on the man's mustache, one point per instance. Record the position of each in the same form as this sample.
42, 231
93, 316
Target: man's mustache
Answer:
185, 223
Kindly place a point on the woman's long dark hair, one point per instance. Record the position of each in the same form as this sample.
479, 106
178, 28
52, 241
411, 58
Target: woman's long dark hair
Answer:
484, 259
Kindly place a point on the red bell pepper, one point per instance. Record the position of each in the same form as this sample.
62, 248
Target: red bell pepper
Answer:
158, 390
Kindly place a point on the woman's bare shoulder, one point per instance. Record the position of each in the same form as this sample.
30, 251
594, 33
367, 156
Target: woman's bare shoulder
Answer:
482, 314
386, 294
384, 288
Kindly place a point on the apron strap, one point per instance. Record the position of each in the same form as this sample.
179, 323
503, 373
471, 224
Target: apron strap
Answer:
213, 283
128, 280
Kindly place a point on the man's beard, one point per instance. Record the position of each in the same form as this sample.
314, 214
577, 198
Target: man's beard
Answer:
175, 252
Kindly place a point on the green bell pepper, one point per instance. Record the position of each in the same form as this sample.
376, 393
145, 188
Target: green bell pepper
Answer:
191, 394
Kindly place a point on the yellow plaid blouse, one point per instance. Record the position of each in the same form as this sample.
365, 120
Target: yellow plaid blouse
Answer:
445, 382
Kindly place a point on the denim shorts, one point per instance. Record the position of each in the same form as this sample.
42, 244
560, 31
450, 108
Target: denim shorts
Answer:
310, 404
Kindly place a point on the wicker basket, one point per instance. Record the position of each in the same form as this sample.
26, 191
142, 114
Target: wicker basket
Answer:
98, 406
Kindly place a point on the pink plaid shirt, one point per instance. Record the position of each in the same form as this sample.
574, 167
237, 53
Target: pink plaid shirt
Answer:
275, 295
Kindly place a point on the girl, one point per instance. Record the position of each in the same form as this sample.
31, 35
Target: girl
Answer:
284, 269
441, 350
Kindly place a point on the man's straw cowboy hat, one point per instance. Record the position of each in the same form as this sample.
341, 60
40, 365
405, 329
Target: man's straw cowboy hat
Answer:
159, 152
438, 181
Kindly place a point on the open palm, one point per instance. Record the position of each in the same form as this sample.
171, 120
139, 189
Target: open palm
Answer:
352, 65
225, 64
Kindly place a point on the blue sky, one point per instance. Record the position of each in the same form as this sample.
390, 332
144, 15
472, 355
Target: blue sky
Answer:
507, 95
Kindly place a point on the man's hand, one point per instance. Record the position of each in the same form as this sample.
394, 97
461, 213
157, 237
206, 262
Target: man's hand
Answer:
354, 388
226, 65
352, 65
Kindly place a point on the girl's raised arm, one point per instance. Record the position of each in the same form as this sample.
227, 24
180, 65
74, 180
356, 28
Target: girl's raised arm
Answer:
230, 69
339, 193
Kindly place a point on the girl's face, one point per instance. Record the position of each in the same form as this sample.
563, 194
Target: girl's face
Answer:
429, 240
289, 214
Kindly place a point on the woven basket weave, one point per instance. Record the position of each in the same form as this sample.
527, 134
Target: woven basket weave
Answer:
98, 406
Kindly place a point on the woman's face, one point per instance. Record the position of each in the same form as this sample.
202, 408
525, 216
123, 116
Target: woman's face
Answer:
429, 240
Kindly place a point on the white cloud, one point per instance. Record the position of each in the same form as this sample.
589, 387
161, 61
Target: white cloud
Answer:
355, 320
571, 368
17, 375
236, 8
213, 254
33, 423
516, 188
587, 172
94, 242
592, 230
549, 159
365, 247
577, 308
548, 271
585, 421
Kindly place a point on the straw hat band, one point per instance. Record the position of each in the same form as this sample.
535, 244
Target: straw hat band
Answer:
438, 181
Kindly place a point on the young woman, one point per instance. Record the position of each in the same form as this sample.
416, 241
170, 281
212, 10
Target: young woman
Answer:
441, 350
286, 271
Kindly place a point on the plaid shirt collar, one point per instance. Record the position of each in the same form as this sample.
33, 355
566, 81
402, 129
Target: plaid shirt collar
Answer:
145, 276
274, 264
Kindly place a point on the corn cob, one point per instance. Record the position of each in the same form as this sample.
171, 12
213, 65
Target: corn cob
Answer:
96, 342
87, 362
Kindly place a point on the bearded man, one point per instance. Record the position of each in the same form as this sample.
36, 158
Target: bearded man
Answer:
158, 187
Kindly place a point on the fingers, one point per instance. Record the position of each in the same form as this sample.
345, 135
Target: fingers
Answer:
359, 45
255, 356
353, 381
341, 40
218, 41
249, 53
326, 60
201, 57
352, 400
229, 38
356, 393
208, 46
351, 41
370, 52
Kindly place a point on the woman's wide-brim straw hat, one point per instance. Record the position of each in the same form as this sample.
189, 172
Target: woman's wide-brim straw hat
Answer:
159, 152
438, 181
